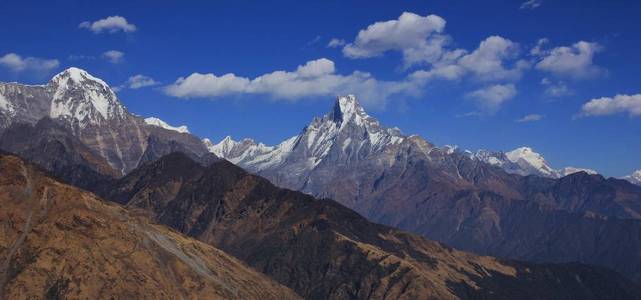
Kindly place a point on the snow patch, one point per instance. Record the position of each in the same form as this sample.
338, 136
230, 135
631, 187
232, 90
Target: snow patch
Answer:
160, 123
571, 170
634, 178
6, 106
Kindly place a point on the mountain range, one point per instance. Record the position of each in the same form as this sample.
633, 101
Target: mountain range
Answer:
474, 201
78, 132
62, 242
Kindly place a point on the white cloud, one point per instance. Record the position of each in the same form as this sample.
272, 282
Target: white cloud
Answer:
491, 98
530, 118
630, 104
114, 56
315, 78
110, 24
531, 4
421, 41
335, 43
487, 62
140, 81
418, 38
495, 59
556, 89
17, 63
575, 61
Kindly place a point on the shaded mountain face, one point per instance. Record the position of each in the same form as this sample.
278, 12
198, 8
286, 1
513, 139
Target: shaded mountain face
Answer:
60, 242
450, 195
162, 141
51, 146
323, 250
89, 110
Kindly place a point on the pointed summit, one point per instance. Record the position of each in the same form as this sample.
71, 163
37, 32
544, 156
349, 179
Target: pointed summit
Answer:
80, 96
347, 108
77, 76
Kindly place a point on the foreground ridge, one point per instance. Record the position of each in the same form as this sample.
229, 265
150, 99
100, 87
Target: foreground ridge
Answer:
323, 250
61, 242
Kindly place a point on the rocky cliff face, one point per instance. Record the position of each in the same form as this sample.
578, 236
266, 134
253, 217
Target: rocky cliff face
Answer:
59, 242
323, 250
54, 148
451, 196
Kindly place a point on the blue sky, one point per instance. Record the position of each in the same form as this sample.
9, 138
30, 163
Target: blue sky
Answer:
455, 72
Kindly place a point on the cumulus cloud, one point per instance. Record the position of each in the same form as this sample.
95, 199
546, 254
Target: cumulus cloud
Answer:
630, 104
17, 63
495, 59
421, 40
575, 61
530, 118
111, 24
491, 98
114, 56
314, 78
487, 62
531, 4
556, 89
418, 38
335, 43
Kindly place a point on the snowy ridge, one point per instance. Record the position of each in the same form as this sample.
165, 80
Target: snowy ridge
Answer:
347, 134
248, 152
160, 123
571, 170
347, 128
524, 161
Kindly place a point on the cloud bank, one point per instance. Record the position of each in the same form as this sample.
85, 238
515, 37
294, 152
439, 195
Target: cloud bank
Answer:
314, 78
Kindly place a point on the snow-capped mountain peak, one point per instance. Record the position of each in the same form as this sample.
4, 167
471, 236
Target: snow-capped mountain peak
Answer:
83, 98
223, 148
75, 75
160, 123
344, 132
525, 161
348, 110
527, 158
634, 177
